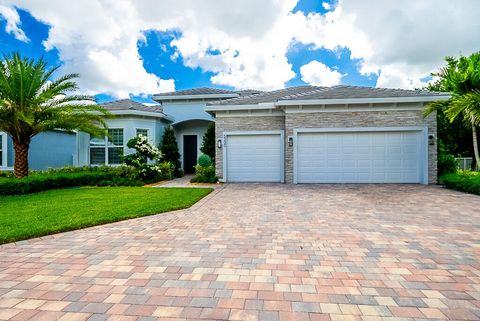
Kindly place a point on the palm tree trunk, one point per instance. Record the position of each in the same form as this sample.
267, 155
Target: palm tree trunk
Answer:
20, 167
475, 146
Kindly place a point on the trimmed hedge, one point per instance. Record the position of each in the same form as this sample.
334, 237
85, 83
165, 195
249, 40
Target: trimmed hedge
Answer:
70, 177
465, 181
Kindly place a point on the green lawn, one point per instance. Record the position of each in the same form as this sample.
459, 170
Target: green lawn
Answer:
33, 215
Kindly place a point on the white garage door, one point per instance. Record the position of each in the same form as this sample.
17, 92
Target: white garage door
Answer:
360, 157
254, 158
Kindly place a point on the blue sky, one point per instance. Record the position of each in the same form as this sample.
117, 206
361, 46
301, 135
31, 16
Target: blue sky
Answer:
231, 45
156, 53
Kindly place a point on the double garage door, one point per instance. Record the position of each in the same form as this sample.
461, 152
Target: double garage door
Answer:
361, 156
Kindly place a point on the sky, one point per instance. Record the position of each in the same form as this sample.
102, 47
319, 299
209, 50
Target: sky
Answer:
137, 48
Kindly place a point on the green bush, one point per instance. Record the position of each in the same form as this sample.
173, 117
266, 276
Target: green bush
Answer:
38, 182
169, 149
447, 164
208, 142
204, 160
204, 174
465, 181
152, 173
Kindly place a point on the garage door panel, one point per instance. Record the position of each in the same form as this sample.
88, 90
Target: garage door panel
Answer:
254, 158
363, 157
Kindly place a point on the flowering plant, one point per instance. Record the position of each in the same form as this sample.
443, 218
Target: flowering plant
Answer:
143, 152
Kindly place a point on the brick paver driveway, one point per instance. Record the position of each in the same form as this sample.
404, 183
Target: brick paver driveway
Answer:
262, 252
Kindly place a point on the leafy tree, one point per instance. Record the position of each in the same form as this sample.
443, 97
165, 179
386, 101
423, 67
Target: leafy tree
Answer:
169, 149
208, 142
454, 137
32, 102
461, 77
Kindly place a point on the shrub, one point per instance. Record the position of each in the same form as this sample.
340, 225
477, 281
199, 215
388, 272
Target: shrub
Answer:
151, 173
208, 142
170, 152
447, 164
38, 182
204, 160
204, 174
465, 181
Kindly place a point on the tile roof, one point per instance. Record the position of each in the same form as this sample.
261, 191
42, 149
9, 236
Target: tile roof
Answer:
128, 104
197, 91
315, 92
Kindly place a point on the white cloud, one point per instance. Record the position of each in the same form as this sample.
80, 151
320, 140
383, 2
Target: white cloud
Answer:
403, 43
318, 74
245, 43
13, 23
326, 5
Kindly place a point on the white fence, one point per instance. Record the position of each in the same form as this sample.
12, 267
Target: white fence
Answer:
464, 163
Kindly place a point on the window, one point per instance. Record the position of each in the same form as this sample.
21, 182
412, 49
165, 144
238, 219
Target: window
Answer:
143, 132
108, 150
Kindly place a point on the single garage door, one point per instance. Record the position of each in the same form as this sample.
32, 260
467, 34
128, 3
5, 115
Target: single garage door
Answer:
360, 157
254, 158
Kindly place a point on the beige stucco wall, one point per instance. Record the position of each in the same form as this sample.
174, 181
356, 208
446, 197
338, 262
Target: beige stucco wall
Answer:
326, 120
248, 123
360, 119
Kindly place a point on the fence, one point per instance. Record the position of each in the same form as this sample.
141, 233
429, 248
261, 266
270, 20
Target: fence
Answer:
464, 163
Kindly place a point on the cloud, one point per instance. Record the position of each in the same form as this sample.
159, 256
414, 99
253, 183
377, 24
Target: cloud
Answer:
400, 43
13, 23
245, 43
317, 74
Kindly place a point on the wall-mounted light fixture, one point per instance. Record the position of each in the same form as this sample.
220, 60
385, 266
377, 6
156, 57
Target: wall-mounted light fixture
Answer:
219, 143
431, 139
290, 141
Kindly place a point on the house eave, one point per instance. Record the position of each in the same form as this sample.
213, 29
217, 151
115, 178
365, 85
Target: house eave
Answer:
341, 101
141, 113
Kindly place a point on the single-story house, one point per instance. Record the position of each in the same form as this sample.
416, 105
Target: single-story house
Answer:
183, 110
303, 134
340, 134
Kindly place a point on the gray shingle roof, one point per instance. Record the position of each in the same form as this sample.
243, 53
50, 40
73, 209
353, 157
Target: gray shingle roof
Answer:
128, 104
265, 97
315, 92
197, 91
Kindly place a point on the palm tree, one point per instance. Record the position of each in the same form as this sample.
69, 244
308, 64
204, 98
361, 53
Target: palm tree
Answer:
461, 77
31, 103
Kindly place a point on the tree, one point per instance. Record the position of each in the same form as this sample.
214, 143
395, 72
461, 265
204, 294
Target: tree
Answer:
208, 142
461, 77
31, 102
169, 150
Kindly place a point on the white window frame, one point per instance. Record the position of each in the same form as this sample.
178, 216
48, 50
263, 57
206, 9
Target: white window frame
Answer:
106, 147
3, 151
144, 129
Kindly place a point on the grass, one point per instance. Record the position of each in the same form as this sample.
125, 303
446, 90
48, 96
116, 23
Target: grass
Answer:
44, 213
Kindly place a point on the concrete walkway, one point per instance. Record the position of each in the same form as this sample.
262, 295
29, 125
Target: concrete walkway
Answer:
185, 182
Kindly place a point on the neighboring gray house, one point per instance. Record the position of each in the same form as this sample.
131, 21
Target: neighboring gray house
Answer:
304, 134
341, 134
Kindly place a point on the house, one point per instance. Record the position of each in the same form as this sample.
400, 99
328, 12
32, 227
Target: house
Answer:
340, 134
303, 134
183, 110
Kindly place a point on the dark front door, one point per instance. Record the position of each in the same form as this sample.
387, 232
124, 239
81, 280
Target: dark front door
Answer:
189, 153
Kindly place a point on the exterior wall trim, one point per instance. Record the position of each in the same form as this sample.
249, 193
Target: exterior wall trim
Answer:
422, 129
3, 165
348, 108
250, 133
361, 100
